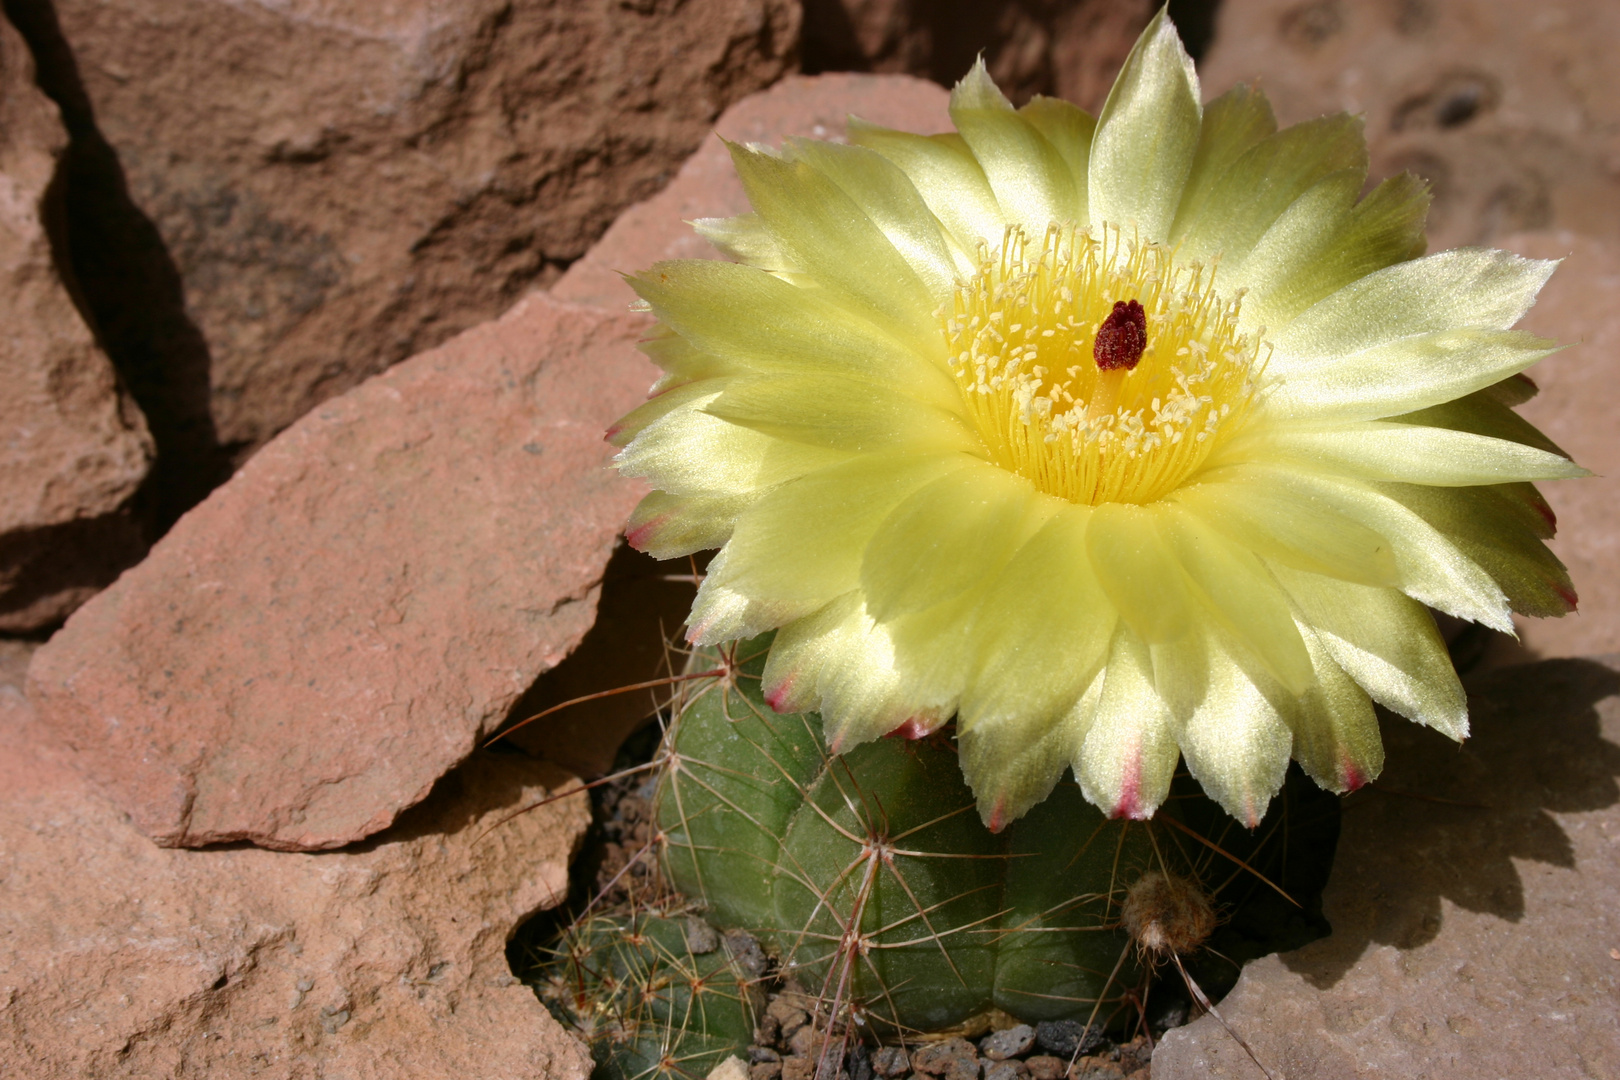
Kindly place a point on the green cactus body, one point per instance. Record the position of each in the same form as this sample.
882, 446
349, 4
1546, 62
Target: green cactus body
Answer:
645, 1001
871, 875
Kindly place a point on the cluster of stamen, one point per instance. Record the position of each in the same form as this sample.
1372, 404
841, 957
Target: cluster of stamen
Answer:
1095, 366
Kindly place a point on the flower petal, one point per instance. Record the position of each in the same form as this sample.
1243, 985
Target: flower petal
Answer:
1028, 175
1280, 524
1402, 375
1070, 130
689, 395
1290, 244
946, 175
1381, 230
1236, 743
1428, 566
889, 198
1129, 754
1267, 178
1388, 644
840, 414
804, 541
1137, 571
668, 526
1241, 593
1481, 413
689, 452
745, 239
822, 230
1465, 287
1485, 527
722, 613
1336, 737
946, 537
1231, 124
1384, 450
1041, 634
1146, 137
764, 324
1011, 768
841, 662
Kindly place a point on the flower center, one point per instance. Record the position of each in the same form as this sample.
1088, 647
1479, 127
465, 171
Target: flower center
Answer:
1097, 368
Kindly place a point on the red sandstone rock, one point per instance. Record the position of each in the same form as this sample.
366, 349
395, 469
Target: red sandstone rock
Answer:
707, 186
123, 961
1071, 48
345, 183
1472, 904
1511, 110
73, 448
305, 653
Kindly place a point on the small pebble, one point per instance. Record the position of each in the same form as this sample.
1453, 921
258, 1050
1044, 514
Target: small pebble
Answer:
1009, 1043
760, 1054
1067, 1038
789, 1018
953, 1059
1005, 1070
765, 1070
797, 1068
1046, 1067
890, 1061
1096, 1068
701, 938
805, 1042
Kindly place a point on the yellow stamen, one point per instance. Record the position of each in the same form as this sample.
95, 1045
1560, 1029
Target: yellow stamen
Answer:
1020, 335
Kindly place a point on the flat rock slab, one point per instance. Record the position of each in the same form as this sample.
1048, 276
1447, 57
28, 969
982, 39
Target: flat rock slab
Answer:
311, 648
1473, 904
124, 961
812, 106
73, 447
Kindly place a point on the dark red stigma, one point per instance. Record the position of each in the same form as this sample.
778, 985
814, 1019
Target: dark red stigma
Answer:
1122, 337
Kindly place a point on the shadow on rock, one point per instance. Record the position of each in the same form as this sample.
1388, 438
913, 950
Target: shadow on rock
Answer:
1447, 822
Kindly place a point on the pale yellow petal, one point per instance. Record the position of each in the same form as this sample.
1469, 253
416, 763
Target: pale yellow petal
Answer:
1384, 450
1482, 413
1042, 632
946, 175
1382, 229
1286, 525
1266, 179
1402, 375
1428, 566
823, 231
1231, 124
1146, 137
1236, 743
1129, 755
1465, 287
689, 452
848, 660
889, 198
745, 239
1070, 130
761, 323
687, 395
722, 613
1137, 571
946, 536
1493, 532
668, 526
841, 414
1011, 769
1388, 644
1289, 246
806, 540
1336, 738
1241, 594
1029, 177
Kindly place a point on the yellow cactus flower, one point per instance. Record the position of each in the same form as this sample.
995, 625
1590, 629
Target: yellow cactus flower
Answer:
1118, 440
